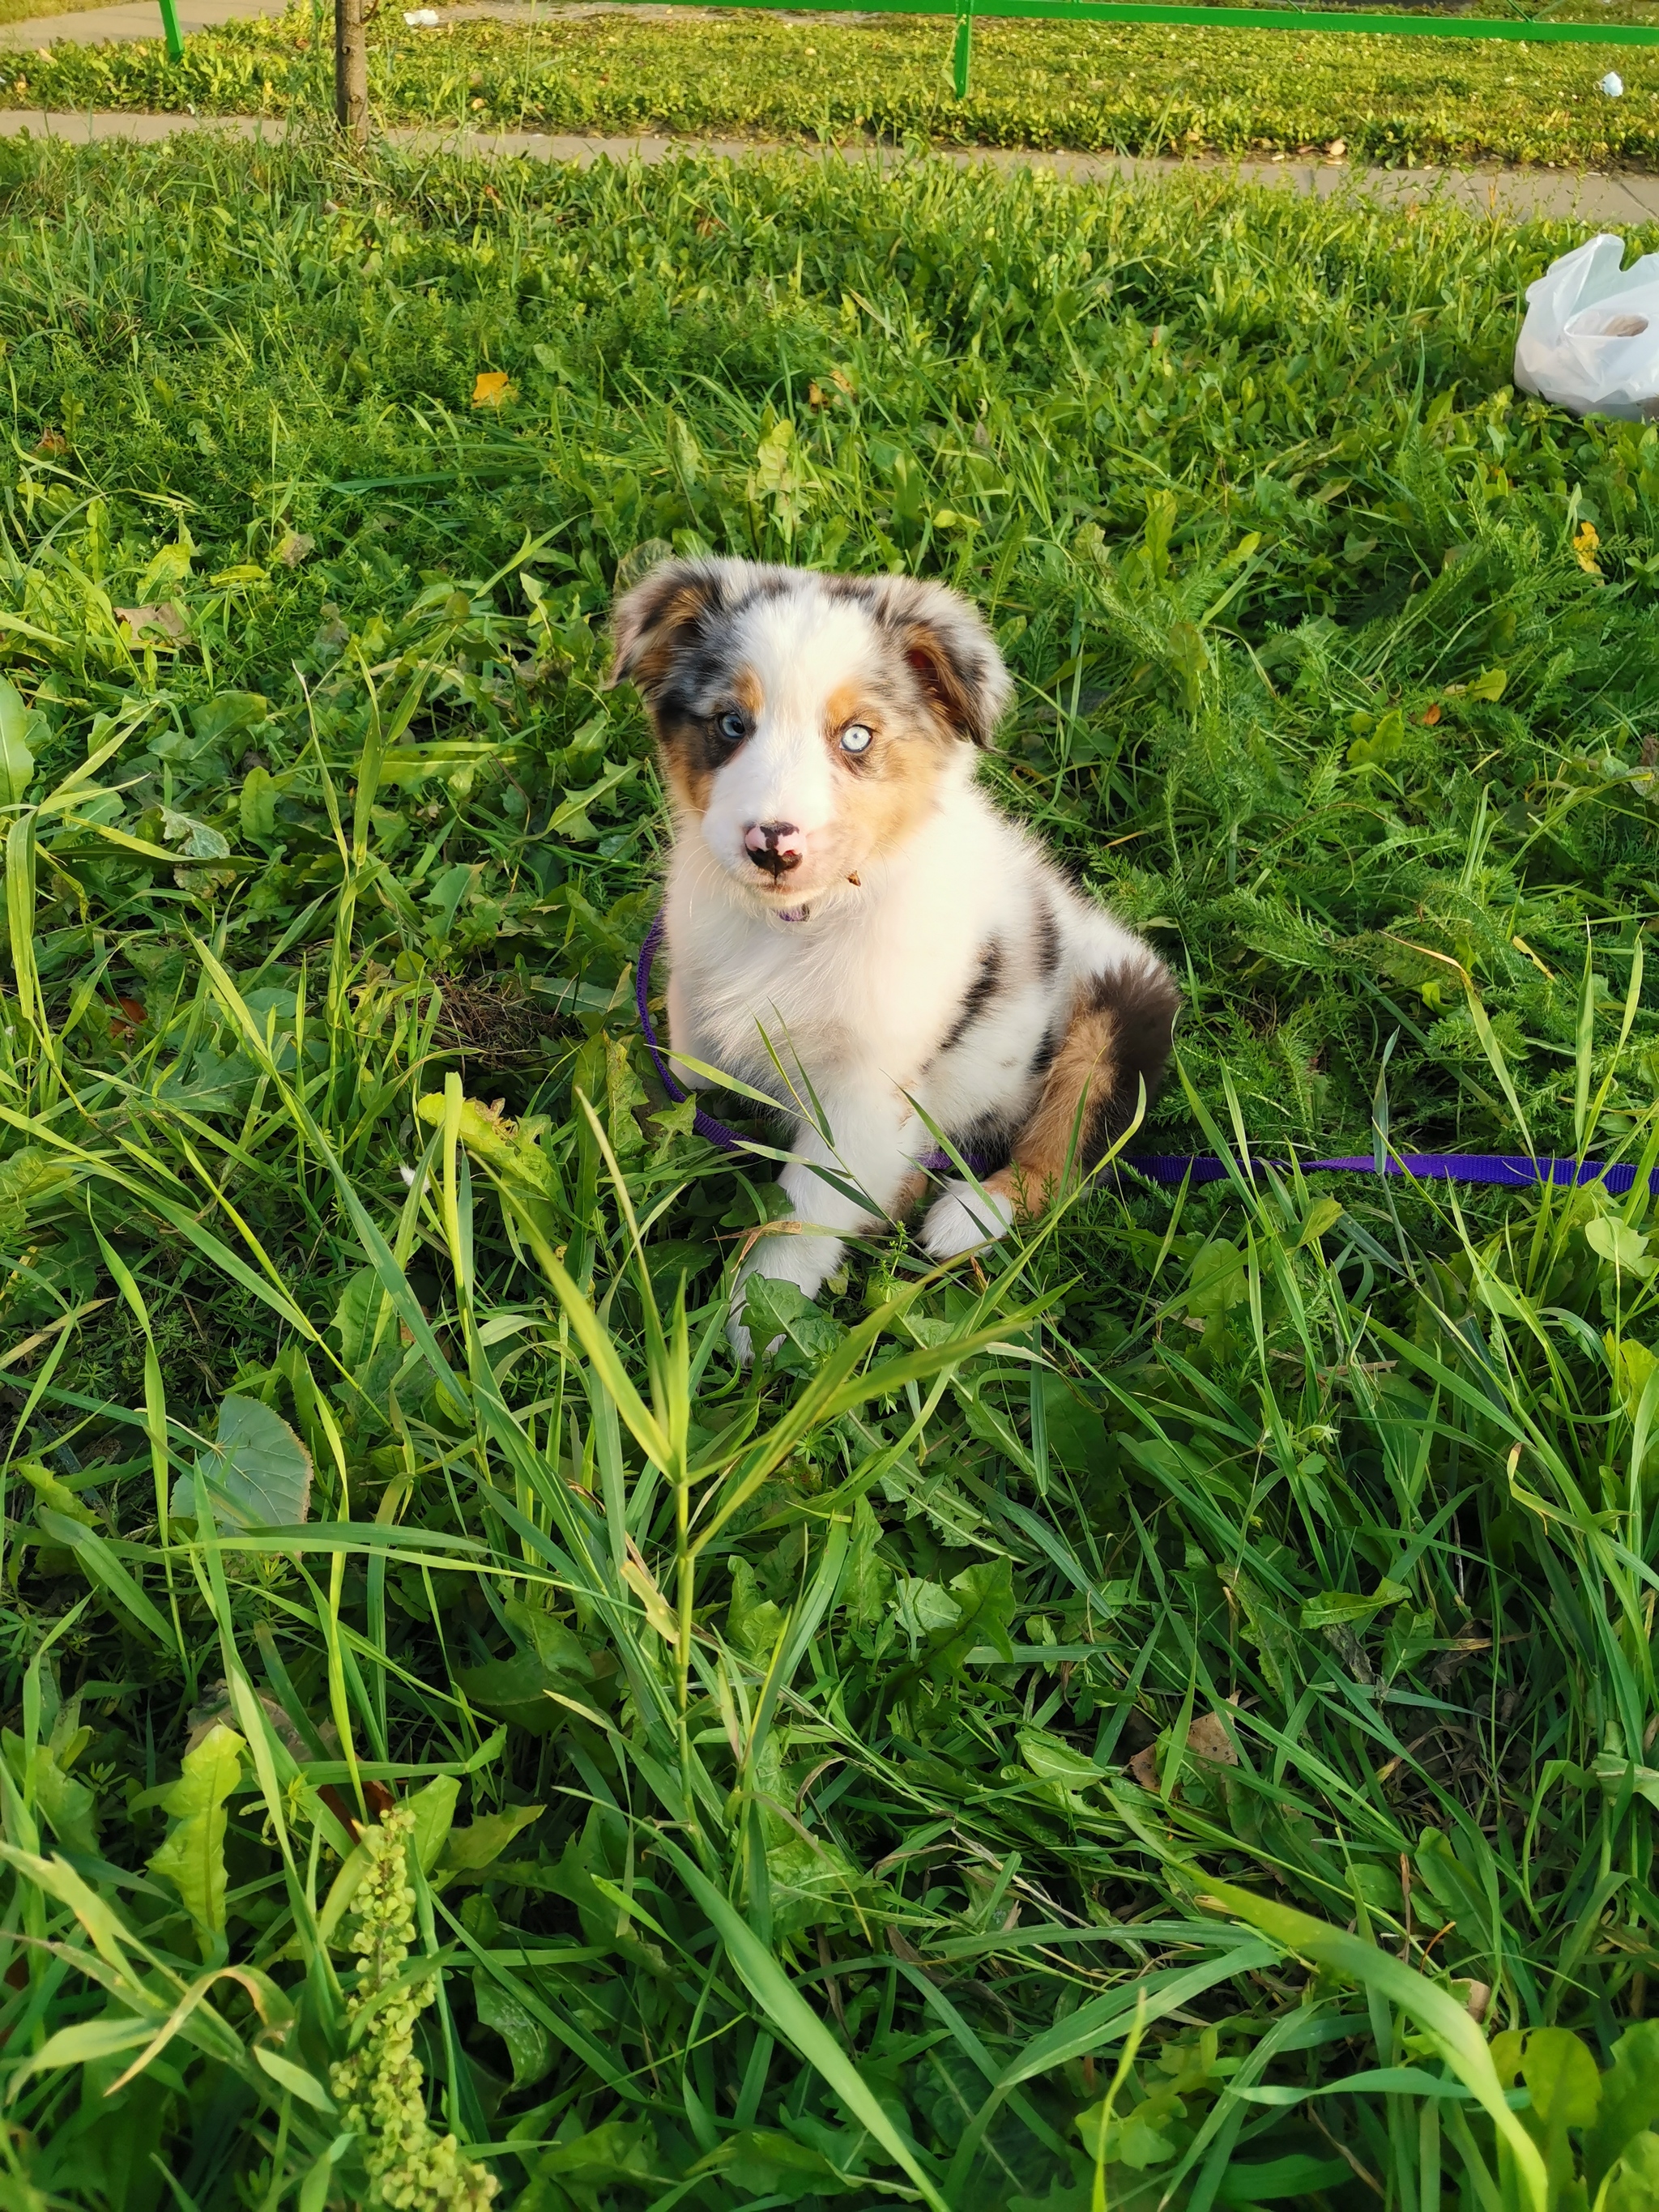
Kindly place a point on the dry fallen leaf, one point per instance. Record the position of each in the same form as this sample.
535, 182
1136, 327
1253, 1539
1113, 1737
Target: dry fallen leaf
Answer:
168, 618
1207, 1738
1431, 714
1143, 1768
491, 388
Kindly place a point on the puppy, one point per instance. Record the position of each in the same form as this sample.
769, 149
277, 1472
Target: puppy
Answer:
854, 929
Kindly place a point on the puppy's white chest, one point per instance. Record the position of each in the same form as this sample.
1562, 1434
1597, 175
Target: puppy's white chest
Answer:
808, 996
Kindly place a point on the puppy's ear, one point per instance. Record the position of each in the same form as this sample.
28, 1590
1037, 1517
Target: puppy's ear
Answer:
952, 656
651, 619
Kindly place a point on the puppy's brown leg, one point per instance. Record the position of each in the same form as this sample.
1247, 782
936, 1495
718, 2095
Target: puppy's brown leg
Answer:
1117, 1037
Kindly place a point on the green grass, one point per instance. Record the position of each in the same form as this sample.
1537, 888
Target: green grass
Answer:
939, 1766
1392, 102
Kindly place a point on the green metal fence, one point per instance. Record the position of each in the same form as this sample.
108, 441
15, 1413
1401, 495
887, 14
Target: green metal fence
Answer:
1519, 26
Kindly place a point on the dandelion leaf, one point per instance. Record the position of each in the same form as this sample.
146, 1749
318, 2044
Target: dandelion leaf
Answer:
193, 1855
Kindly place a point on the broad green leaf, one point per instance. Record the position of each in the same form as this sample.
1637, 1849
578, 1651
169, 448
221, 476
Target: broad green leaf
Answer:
1322, 1217
470, 1849
1630, 2099
1340, 1608
774, 1309
50, 1492
765, 2162
70, 1808
551, 1662
1622, 1247
1051, 1759
256, 804
227, 712
1634, 2186
434, 1808
355, 1314
617, 2151
171, 565
1076, 1429
499, 2008
1563, 2077
258, 1473
812, 1883
192, 1855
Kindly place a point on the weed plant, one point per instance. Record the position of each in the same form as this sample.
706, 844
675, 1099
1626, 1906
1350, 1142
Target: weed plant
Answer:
1390, 102
1160, 1715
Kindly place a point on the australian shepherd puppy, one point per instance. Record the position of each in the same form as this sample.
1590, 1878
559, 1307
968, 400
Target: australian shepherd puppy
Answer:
854, 930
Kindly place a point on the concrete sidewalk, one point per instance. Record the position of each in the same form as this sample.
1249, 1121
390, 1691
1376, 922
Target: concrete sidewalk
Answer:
142, 19
1506, 194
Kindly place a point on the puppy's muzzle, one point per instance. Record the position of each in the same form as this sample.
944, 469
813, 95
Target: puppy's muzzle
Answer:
774, 846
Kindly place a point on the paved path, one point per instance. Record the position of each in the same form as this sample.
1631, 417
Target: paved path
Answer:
1509, 195
140, 19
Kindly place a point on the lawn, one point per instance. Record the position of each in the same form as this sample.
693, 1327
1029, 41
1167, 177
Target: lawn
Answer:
1124, 1723
1397, 102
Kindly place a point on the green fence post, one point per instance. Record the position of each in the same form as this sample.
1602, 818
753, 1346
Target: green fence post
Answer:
962, 52
170, 31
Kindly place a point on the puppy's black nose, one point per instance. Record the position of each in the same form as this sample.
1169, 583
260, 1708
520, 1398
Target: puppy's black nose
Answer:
773, 847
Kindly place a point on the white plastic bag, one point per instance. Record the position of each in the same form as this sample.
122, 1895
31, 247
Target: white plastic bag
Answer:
1590, 341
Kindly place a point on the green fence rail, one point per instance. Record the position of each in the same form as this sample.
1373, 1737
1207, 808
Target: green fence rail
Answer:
1520, 27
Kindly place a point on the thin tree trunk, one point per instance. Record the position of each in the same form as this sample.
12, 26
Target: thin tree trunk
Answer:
350, 70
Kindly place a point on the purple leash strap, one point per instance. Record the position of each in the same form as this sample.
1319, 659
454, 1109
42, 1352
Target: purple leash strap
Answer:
715, 1133
1508, 1170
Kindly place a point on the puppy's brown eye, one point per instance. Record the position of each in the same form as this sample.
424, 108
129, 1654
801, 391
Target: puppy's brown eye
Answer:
856, 739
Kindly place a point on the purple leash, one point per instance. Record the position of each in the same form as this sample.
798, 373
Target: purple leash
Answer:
1509, 1170
713, 1132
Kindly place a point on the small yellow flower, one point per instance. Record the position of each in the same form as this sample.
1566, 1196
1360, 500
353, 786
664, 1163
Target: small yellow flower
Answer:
1584, 546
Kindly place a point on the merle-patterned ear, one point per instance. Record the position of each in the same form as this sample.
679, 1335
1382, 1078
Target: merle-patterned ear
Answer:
650, 621
952, 654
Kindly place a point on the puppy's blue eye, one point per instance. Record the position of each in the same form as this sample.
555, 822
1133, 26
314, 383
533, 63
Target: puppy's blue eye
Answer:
855, 739
733, 728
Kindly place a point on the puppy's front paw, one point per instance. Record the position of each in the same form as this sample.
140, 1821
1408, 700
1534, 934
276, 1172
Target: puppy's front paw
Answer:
964, 1219
806, 1261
